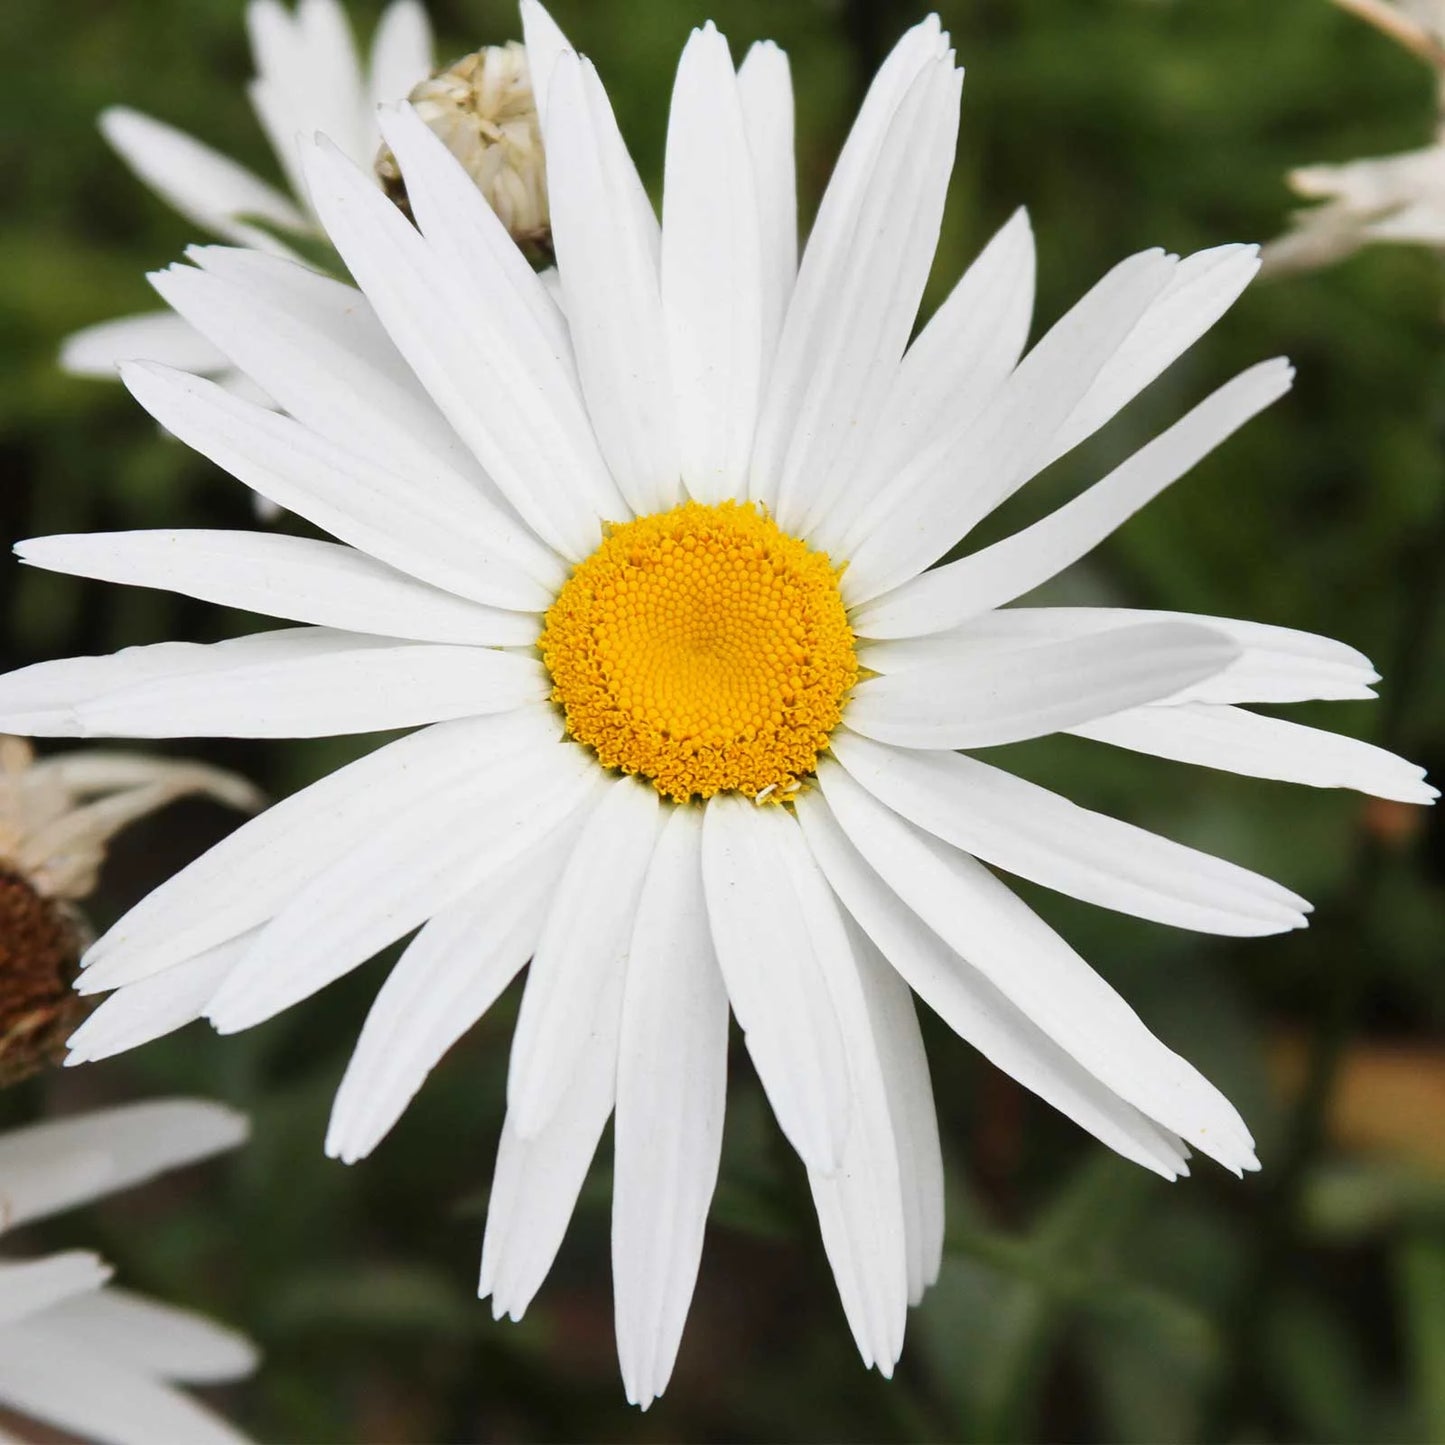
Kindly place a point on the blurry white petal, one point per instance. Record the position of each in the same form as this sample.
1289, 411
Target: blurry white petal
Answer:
401, 52
497, 406
944, 597
765, 85
583, 946
920, 512
712, 286
151, 1337
1034, 833
860, 1205
448, 977
774, 925
1203, 287
295, 578
910, 1107
248, 877
999, 935
671, 1094
153, 1007
545, 42
950, 372
154, 336
207, 188
607, 259
27, 1287
975, 1008
981, 700
1237, 741
45, 1376
472, 550
61, 1163
436, 847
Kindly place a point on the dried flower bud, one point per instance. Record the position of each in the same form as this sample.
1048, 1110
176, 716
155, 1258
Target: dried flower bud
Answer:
482, 108
56, 819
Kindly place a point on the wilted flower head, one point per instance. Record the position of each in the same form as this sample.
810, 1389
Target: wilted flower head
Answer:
482, 107
76, 1353
56, 819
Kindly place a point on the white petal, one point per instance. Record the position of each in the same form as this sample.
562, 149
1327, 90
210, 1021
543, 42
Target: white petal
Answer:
537, 1181
1035, 834
607, 259
61, 1163
919, 513
1262, 747
1276, 664
774, 925
30, 1286
152, 1337
294, 578
974, 1008
155, 1006
449, 976
910, 1107
83, 1394
999, 935
712, 287
583, 945
205, 187
946, 596
976, 700
506, 308
248, 877
1204, 286
153, 336
855, 305
401, 51
950, 373
815, 326
472, 550
765, 85
671, 1094
545, 42
497, 407
357, 684
327, 363
860, 1205
435, 848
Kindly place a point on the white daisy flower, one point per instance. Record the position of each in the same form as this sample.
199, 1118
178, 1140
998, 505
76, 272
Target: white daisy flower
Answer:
309, 78
57, 818
77, 1353
1397, 198
652, 572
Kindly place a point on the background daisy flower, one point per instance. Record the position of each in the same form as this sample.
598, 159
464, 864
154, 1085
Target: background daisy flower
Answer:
76, 1352
684, 526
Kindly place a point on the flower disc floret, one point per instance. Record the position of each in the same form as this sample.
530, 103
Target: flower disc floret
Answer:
703, 649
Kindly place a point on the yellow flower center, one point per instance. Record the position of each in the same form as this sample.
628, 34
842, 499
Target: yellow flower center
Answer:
704, 650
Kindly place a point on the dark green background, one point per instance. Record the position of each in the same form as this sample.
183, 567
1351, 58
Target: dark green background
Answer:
1082, 1299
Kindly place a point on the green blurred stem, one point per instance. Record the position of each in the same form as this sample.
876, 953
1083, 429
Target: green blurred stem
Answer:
1244, 1390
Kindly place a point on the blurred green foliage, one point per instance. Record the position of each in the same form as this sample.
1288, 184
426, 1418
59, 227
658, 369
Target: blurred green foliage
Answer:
1081, 1299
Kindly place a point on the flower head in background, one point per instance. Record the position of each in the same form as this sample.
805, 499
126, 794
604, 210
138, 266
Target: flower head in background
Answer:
309, 77
652, 573
1399, 198
77, 1353
56, 819
482, 108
